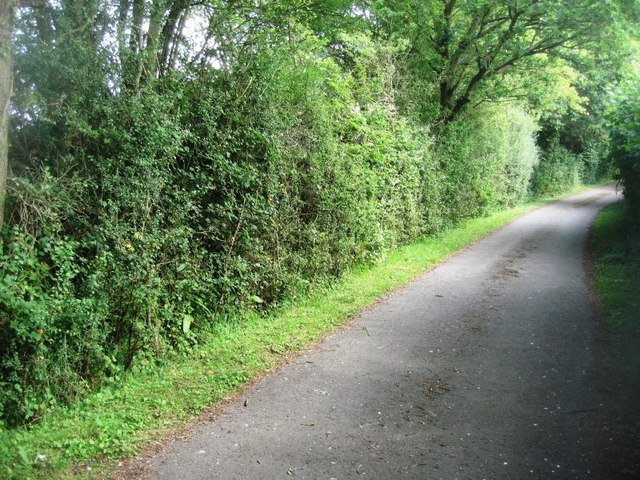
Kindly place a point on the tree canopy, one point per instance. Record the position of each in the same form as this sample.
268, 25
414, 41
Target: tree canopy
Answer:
470, 51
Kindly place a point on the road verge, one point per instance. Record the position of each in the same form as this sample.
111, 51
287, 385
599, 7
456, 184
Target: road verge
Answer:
615, 248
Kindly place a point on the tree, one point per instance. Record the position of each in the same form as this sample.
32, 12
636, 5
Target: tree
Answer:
464, 45
6, 83
6, 86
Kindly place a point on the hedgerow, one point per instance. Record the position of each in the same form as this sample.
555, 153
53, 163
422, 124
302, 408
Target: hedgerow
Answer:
139, 214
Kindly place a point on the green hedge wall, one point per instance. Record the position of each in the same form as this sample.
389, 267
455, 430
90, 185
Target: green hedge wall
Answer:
138, 220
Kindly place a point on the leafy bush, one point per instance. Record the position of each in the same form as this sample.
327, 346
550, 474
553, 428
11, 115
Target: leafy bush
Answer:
139, 217
624, 124
211, 192
487, 160
559, 170
52, 341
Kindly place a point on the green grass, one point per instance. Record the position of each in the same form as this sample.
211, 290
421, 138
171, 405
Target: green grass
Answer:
138, 410
616, 244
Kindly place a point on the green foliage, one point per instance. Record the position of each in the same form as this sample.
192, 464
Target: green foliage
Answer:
52, 341
575, 150
211, 192
91, 283
487, 161
160, 189
463, 51
559, 170
571, 118
624, 124
616, 244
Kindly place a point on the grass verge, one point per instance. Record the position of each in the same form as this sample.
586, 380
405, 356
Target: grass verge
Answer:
615, 243
139, 409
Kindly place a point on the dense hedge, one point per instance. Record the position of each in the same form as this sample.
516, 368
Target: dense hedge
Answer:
561, 168
487, 160
624, 119
137, 220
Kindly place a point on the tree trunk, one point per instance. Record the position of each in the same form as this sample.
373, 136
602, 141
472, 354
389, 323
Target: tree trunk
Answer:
169, 35
6, 84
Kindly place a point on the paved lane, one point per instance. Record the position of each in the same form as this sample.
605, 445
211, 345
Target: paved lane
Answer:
478, 369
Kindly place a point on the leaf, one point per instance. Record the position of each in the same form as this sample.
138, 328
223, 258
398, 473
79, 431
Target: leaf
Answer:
187, 320
256, 299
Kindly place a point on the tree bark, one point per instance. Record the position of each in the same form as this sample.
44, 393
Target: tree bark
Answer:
6, 84
168, 36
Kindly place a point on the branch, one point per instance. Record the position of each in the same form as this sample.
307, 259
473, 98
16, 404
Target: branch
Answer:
449, 6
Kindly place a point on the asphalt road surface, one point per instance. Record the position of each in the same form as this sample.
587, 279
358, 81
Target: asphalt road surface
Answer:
481, 368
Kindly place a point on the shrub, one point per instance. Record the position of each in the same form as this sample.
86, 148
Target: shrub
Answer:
624, 125
487, 161
211, 192
559, 170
